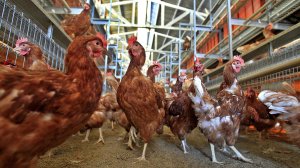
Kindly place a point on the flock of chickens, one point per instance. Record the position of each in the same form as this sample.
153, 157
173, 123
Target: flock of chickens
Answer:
41, 107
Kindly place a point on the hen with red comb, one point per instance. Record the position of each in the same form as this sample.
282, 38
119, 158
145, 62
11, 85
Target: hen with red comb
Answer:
131, 40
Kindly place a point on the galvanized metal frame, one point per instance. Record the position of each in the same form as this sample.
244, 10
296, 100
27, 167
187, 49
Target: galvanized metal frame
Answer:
14, 25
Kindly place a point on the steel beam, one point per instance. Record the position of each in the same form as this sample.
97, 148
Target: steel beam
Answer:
123, 34
211, 56
175, 20
62, 11
259, 23
170, 37
115, 13
229, 29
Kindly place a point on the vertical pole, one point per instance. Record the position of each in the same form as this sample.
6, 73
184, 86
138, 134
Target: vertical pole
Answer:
50, 31
270, 48
2, 13
109, 20
117, 50
229, 29
10, 31
210, 15
179, 49
133, 13
195, 31
105, 70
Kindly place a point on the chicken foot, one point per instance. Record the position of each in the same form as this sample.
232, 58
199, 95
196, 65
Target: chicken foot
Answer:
101, 139
239, 155
213, 155
132, 137
86, 139
143, 157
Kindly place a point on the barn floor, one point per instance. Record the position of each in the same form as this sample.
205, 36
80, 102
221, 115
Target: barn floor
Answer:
164, 151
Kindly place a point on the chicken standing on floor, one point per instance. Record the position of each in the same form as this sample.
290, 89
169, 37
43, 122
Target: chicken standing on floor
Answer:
219, 120
77, 25
182, 119
39, 110
33, 55
138, 98
153, 71
257, 113
107, 106
96, 120
288, 106
177, 87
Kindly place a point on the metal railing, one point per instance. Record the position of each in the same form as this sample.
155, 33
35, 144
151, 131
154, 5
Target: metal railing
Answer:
283, 58
14, 25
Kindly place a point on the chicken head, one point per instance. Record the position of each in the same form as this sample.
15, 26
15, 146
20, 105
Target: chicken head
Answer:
250, 93
182, 77
86, 6
157, 67
97, 47
136, 51
23, 47
237, 64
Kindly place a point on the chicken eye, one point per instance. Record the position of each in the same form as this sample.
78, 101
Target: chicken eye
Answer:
97, 43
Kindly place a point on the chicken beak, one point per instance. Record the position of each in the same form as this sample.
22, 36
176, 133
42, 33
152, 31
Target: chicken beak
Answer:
17, 50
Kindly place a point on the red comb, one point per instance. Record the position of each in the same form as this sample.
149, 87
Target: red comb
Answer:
132, 39
240, 59
102, 38
20, 41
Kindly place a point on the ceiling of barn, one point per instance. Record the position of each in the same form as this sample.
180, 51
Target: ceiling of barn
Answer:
155, 22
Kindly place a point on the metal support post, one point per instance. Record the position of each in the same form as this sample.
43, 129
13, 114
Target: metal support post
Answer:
229, 29
105, 71
195, 31
50, 31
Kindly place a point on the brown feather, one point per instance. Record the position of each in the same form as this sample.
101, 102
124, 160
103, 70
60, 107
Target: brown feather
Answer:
137, 96
43, 108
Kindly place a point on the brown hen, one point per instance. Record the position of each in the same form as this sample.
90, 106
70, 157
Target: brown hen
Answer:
33, 55
153, 71
41, 109
77, 25
182, 118
257, 113
138, 98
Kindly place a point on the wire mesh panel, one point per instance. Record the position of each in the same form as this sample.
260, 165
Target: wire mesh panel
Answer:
288, 54
14, 25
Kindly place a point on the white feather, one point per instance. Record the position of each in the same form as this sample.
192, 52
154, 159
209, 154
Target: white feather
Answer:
198, 87
278, 99
215, 122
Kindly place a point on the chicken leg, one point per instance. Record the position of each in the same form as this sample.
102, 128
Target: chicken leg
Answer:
213, 154
184, 145
143, 158
239, 155
130, 142
132, 137
112, 125
86, 139
101, 139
